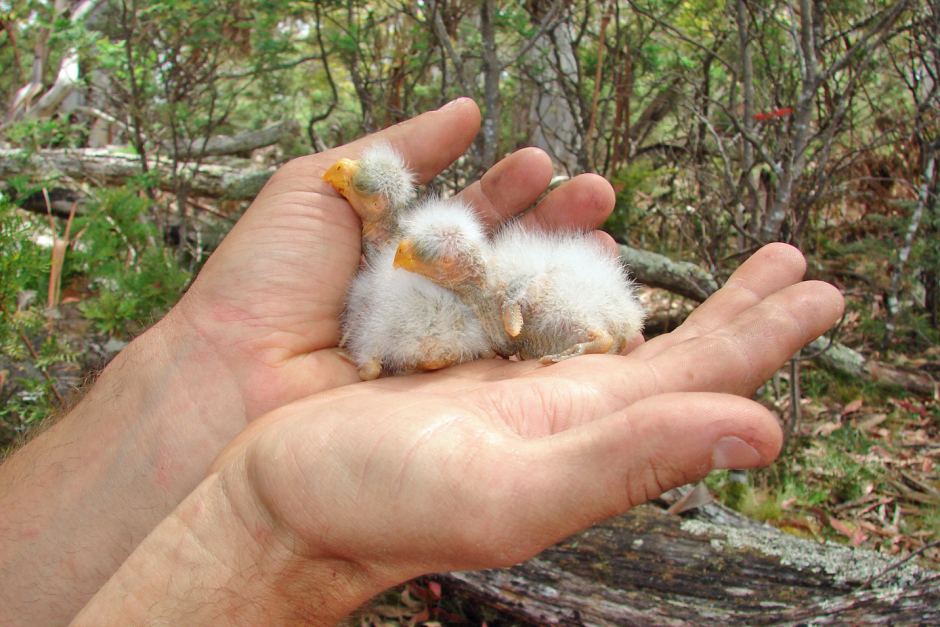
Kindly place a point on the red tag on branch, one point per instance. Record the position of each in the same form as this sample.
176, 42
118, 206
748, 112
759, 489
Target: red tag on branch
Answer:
776, 113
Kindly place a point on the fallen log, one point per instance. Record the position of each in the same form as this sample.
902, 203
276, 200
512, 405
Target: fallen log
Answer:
852, 363
108, 167
650, 567
679, 277
221, 145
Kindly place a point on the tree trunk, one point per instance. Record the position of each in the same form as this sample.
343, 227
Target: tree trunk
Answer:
897, 273
492, 107
552, 119
649, 567
67, 76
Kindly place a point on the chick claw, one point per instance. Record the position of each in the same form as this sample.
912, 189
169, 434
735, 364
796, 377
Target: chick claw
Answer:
598, 342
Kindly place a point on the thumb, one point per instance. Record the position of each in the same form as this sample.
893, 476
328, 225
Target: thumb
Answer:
605, 467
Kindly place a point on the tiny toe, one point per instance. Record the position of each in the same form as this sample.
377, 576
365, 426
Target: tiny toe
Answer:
370, 370
599, 341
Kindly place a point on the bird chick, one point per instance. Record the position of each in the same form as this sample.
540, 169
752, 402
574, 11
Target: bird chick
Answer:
398, 322
538, 295
563, 294
379, 186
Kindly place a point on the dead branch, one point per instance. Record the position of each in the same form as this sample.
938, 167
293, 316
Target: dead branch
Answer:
242, 142
680, 277
692, 281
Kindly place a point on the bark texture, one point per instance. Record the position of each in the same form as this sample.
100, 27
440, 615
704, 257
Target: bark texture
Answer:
650, 567
679, 277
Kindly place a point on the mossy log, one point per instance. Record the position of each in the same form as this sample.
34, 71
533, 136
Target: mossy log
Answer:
679, 277
650, 567
240, 180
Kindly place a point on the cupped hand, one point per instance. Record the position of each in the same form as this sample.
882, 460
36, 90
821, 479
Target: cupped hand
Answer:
265, 308
487, 463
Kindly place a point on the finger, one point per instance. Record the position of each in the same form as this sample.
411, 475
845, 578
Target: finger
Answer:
461, 378
576, 478
429, 143
309, 373
608, 243
584, 202
740, 355
770, 269
510, 186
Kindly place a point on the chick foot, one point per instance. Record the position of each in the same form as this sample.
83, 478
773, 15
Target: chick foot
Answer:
599, 341
370, 370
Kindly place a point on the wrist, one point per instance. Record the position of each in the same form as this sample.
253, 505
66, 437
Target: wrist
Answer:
221, 557
78, 499
189, 381
172, 402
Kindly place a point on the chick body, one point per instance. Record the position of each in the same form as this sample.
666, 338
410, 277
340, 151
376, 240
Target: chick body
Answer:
538, 295
562, 294
398, 322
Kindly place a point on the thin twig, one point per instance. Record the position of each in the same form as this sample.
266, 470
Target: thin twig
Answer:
795, 397
897, 564
210, 210
46, 375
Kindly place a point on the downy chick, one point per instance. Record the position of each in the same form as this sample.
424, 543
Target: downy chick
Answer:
538, 295
379, 186
398, 322
563, 294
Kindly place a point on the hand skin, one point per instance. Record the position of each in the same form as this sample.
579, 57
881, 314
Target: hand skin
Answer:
257, 330
325, 502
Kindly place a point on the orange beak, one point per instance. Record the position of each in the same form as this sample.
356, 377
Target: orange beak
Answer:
340, 176
405, 257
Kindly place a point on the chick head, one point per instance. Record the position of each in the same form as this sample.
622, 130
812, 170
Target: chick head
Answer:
378, 180
444, 241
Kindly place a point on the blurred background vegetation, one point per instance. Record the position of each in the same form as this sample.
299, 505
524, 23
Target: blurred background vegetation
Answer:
135, 133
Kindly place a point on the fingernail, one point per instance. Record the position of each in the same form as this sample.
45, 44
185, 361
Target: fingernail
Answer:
452, 103
733, 452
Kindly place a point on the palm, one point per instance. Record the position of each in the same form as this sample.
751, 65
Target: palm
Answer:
269, 300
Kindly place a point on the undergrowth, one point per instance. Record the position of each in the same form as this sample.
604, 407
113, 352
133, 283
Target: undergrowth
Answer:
859, 470
117, 275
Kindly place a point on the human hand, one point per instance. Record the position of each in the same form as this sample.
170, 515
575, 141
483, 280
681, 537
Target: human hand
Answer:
487, 463
257, 329
323, 503
265, 309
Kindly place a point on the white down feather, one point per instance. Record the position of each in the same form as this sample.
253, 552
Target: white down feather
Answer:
566, 285
440, 227
382, 170
402, 319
